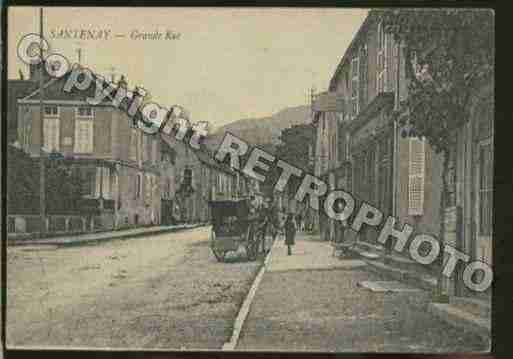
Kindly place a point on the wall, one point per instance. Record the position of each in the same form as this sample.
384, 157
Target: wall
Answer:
101, 129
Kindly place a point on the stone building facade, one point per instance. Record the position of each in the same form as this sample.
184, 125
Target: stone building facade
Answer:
118, 164
365, 148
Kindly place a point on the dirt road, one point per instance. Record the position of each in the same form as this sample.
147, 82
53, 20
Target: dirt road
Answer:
164, 291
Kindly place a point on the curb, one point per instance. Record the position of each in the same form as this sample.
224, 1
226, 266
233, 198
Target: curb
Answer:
409, 277
79, 241
460, 319
244, 309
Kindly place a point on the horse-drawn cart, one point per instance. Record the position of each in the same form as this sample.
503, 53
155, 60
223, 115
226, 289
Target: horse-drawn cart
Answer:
233, 226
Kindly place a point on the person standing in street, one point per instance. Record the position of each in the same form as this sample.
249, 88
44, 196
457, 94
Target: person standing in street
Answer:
298, 221
274, 221
290, 232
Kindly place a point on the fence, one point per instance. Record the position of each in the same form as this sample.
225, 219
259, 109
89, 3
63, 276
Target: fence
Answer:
24, 224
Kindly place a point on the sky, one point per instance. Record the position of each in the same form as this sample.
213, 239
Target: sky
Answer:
226, 64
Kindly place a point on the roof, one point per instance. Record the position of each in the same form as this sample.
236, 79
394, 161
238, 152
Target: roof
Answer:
329, 102
370, 19
54, 91
16, 89
207, 158
381, 101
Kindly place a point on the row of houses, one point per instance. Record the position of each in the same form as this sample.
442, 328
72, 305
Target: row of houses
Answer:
126, 178
361, 147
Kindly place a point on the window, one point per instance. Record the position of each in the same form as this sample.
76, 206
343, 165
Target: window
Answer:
83, 136
138, 186
485, 188
381, 76
145, 152
51, 134
416, 177
133, 145
187, 177
371, 174
348, 146
148, 187
363, 73
87, 181
354, 86
84, 111
383, 173
103, 187
154, 151
168, 189
51, 111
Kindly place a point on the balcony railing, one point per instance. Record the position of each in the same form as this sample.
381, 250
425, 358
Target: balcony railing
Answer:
94, 205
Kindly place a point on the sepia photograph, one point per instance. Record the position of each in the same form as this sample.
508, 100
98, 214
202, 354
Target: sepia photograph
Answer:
249, 179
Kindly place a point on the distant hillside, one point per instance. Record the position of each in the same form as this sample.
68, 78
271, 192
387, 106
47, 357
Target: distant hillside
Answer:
264, 131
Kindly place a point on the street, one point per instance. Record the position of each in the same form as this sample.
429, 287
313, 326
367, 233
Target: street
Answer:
167, 291
161, 291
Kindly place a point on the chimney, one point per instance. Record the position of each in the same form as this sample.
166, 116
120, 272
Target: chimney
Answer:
122, 82
35, 72
112, 74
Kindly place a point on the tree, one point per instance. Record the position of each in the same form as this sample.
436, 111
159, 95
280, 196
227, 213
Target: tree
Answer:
22, 183
62, 187
451, 51
294, 149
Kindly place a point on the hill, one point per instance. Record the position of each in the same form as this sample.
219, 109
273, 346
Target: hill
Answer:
263, 131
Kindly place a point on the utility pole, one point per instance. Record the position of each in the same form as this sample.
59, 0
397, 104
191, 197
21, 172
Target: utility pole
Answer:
42, 174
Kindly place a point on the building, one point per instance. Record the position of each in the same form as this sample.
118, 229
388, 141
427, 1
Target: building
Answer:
117, 164
360, 147
296, 147
18, 89
328, 115
470, 203
198, 179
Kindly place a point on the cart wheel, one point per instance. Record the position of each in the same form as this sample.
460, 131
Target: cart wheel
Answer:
219, 254
252, 250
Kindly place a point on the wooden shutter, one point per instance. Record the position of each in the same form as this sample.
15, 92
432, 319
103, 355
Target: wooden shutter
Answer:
148, 188
51, 134
83, 136
98, 182
416, 177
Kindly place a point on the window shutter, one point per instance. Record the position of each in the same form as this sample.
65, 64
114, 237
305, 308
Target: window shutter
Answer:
386, 59
133, 145
83, 136
51, 133
106, 183
147, 188
416, 177
97, 190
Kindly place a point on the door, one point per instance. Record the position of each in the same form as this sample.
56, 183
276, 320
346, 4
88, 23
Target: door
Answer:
484, 200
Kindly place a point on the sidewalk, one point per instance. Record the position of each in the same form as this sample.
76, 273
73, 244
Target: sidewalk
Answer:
102, 236
466, 313
312, 301
309, 253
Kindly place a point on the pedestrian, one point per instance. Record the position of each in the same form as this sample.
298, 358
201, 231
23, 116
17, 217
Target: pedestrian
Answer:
262, 217
299, 221
274, 220
290, 232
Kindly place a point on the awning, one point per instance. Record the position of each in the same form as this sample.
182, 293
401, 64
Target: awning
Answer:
329, 102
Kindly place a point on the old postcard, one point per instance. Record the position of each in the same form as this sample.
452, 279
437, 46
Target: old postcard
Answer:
278, 179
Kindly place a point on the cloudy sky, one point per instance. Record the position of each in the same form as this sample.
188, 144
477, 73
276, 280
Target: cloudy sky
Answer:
226, 64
